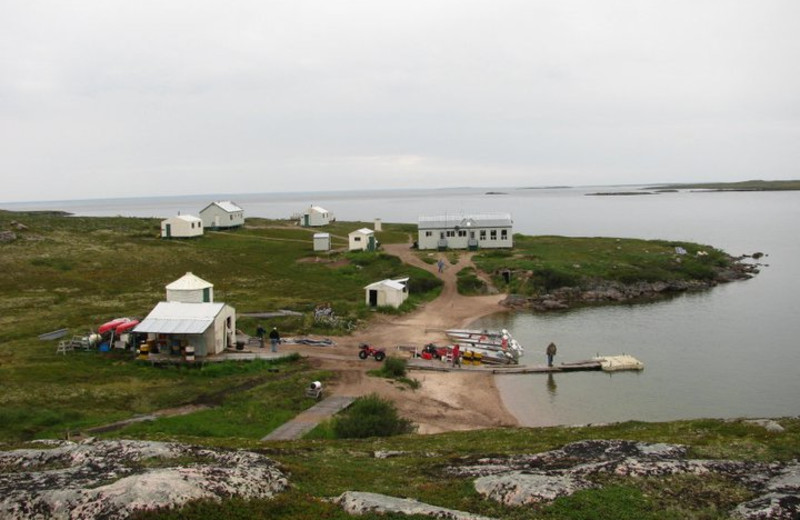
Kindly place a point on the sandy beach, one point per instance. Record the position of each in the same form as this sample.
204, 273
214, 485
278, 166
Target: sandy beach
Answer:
445, 401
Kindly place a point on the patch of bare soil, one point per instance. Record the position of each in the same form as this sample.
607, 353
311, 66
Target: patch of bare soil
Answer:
329, 262
445, 401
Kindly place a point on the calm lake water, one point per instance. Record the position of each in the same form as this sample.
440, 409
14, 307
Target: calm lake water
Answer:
732, 351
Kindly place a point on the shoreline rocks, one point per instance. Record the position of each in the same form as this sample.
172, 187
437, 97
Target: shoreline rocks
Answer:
603, 292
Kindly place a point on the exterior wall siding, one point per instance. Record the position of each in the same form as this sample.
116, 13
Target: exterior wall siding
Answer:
429, 238
216, 217
179, 228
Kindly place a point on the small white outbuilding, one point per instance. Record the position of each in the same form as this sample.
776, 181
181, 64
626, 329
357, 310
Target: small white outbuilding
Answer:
362, 240
190, 289
387, 293
322, 241
181, 226
316, 216
222, 214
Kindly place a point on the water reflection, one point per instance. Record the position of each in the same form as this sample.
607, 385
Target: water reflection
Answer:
551, 386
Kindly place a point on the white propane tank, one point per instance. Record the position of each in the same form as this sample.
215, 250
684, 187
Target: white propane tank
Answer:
316, 385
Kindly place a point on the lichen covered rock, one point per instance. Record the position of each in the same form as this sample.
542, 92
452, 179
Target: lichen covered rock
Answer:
112, 479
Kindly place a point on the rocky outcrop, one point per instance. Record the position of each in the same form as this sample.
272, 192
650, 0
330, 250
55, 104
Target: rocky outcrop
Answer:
113, 479
605, 291
7, 236
527, 479
359, 503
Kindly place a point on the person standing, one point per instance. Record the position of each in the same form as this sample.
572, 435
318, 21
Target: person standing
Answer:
551, 353
440, 264
260, 332
457, 355
274, 339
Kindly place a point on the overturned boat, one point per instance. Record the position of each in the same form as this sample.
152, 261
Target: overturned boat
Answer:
495, 346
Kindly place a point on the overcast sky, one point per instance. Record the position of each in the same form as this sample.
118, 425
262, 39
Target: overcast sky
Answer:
112, 98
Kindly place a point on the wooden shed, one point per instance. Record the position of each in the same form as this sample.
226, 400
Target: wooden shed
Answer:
222, 214
362, 239
190, 289
387, 293
181, 226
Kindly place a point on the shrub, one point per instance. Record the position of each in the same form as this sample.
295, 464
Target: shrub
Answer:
422, 285
551, 279
371, 416
394, 367
467, 282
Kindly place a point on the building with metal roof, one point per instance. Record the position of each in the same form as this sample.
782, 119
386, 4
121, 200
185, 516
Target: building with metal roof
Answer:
316, 216
477, 231
190, 288
181, 226
362, 240
322, 241
222, 214
390, 293
208, 328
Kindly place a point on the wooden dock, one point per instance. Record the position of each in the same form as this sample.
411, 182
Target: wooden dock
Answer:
607, 363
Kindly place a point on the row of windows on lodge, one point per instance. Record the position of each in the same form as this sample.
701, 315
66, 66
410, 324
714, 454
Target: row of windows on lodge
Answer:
463, 233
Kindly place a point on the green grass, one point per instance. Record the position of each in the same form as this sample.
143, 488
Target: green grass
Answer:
76, 273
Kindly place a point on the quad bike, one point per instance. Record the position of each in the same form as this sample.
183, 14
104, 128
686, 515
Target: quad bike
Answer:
431, 351
366, 351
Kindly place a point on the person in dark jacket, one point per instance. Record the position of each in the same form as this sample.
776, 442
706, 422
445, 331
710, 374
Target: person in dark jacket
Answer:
261, 332
551, 353
274, 339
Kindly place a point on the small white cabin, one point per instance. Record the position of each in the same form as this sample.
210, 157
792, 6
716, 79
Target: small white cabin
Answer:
181, 226
209, 328
362, 240
222, 214
387, 293
316, 216
486, 231
322, 241
190, 289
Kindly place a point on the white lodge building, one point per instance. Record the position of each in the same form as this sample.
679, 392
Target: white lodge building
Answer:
485, 231
222, 214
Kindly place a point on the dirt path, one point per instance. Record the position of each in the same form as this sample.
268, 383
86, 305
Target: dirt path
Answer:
445, 401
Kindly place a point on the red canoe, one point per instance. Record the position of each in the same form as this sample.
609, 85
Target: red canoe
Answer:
105, 327
128, 325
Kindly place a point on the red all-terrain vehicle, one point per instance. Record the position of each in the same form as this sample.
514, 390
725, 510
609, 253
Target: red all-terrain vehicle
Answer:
366, 351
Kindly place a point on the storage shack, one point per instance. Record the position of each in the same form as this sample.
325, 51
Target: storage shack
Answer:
322, 241
387, 293
316, 216
181, 226
362, 240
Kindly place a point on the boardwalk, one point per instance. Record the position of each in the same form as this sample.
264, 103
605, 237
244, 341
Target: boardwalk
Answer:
306, 421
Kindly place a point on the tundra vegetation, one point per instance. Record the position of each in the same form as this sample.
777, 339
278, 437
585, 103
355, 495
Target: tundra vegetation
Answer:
73, 272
